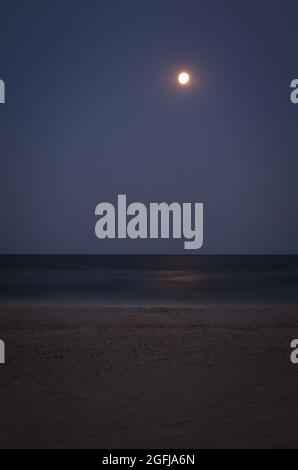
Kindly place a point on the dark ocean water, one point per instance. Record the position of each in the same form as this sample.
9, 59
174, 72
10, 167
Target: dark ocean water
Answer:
149, 280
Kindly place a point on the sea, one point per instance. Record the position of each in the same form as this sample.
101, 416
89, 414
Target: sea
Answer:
149, 281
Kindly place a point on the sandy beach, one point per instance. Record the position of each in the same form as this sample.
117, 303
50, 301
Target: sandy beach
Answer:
148, 378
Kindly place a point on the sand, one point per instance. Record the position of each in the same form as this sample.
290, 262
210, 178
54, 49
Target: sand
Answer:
148, 378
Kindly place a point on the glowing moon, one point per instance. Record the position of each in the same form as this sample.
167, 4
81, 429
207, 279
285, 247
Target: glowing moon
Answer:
184, 78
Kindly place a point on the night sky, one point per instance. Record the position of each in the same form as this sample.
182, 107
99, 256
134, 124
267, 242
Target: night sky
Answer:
93, 111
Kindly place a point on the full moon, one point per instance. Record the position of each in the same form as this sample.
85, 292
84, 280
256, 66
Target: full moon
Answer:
184, 78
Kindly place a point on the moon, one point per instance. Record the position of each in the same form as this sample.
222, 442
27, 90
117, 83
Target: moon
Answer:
184, 78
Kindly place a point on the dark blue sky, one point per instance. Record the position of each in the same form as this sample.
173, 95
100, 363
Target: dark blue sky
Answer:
92, 112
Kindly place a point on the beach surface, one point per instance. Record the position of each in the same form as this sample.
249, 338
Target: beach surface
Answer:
107, 378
